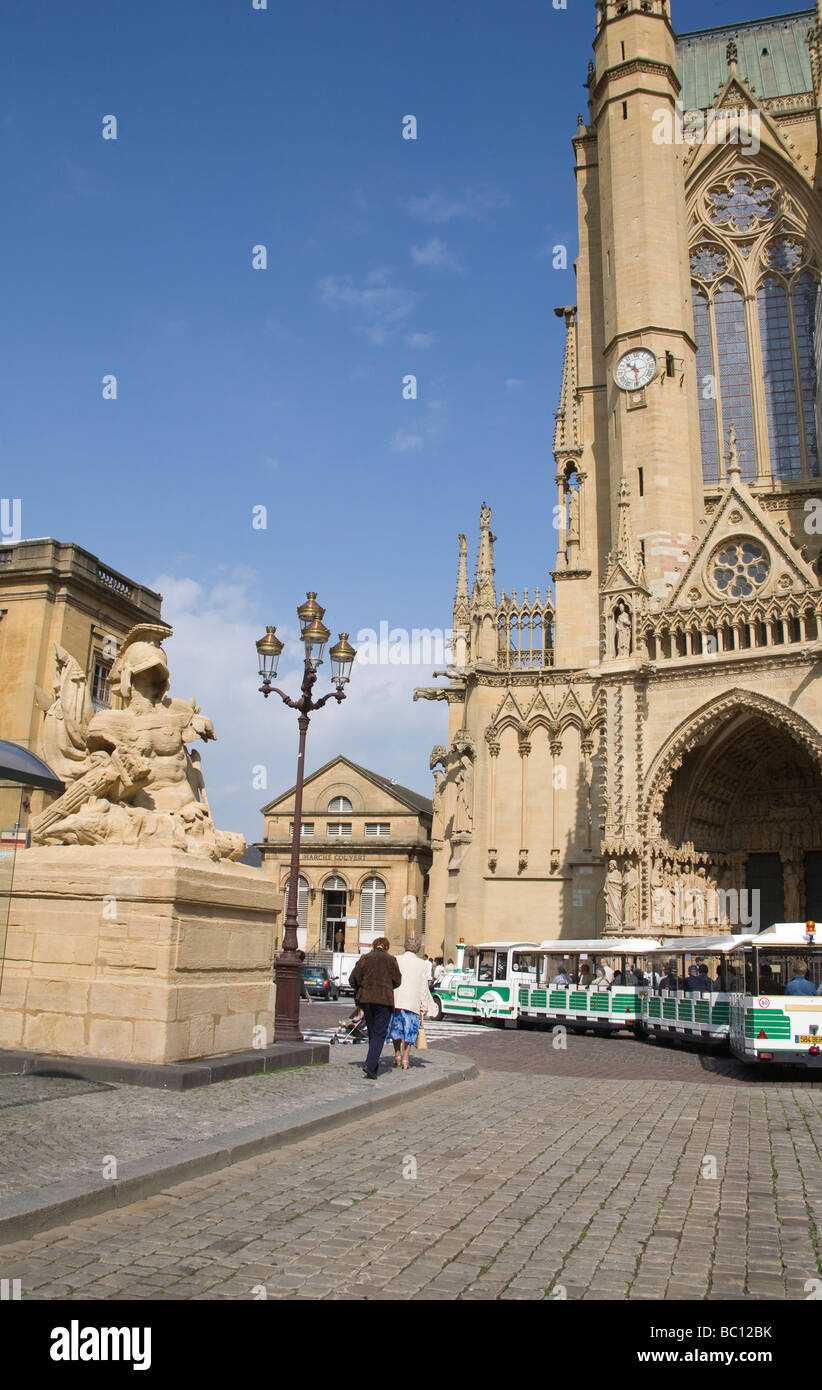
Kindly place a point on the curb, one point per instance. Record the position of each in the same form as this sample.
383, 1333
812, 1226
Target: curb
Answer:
61, 1203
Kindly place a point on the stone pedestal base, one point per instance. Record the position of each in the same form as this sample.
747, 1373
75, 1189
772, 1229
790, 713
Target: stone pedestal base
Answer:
138, 955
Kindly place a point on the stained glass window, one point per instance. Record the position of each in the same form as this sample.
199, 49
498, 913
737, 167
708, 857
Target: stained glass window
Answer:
734, 372
743, 205
707, 389
707, 263
740, 567
779, 384
784, 254
807, 308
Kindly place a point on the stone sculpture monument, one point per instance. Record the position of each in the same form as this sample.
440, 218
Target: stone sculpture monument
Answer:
132, 933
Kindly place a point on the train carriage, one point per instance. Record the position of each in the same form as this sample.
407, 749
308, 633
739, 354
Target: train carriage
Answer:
676, 1007
775, 1011
608, 1008
486, 982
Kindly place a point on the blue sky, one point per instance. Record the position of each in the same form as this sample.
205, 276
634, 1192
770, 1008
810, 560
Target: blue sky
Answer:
239, 388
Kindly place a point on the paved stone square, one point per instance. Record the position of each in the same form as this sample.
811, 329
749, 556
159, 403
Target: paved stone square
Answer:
527, 1186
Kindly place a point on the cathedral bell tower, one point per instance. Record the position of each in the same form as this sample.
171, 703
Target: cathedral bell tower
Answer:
646, 327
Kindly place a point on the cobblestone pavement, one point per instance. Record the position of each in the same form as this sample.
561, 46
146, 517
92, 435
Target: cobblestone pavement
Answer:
620, 1057
526, 1187
54, 1128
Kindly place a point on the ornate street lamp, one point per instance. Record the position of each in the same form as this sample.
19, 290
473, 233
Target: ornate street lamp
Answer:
287, 965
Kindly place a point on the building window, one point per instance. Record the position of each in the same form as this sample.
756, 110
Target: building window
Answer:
100, 684
372, 907
784, 333
306, 828
381, 827
302, 902
740, 567
340, 803
807, 311
338, 827
735, 372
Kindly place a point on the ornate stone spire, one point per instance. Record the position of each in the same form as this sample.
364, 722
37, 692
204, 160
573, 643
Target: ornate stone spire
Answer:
626, 546
461, 601
484, 598
731, 53
566, 433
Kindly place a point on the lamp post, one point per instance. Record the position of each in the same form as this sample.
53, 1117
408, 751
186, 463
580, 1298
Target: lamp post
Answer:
287, 966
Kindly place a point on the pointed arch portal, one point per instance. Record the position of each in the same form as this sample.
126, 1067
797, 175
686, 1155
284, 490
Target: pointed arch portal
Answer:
740, 785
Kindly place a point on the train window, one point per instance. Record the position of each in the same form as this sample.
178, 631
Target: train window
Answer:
501, 971
778, 967
469, 960
556, 964
485, 966
524, 963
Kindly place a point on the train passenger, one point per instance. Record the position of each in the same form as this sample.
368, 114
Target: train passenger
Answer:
603, 978
669, 982
799, 984
561, 979
706, 984
584, 980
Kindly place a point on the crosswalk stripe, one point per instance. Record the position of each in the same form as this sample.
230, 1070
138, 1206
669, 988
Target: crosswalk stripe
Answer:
435, 1032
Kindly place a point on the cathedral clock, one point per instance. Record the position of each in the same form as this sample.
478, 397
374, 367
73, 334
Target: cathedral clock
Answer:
635, 369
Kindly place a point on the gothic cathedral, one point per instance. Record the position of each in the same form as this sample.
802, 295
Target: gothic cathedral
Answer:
641, 753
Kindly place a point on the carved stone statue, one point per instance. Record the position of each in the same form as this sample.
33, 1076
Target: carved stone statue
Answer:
131, 780
438, 817
573, 514
613, 898
631, 897
622, 619
464, 812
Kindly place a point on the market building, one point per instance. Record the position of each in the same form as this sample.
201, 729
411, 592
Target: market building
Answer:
365, 853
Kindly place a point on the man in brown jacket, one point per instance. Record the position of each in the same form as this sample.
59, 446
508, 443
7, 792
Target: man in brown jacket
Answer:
374, 978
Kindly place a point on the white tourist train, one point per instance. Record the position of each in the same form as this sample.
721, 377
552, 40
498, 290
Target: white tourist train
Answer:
754, 993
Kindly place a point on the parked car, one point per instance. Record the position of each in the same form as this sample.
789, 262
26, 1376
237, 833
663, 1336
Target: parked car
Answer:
318, 982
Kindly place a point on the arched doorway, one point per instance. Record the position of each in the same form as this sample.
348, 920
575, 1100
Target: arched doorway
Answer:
335, 900
739, 812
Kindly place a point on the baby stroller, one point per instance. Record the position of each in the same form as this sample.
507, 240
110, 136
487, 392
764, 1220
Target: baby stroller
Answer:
351, 1029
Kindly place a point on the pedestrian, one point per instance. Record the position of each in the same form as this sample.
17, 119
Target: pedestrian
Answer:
374, 978
429, 968
412, 1001
439, 970
303, 986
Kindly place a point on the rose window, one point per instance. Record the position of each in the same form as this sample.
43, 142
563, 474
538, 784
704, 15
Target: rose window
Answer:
740, 567
742, 205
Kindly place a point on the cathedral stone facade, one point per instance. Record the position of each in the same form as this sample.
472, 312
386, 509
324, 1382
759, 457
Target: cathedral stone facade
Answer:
640, 750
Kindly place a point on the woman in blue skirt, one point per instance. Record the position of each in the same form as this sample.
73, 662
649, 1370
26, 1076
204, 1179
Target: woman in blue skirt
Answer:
412, 1002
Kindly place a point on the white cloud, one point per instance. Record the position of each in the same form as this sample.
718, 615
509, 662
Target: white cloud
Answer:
381, 304
404, 442
435, 253
512, 383
419, 340
444, 207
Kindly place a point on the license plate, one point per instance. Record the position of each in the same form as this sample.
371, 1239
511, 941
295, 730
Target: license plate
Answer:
807, 1038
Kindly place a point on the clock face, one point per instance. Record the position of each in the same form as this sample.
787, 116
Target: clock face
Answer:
635, 369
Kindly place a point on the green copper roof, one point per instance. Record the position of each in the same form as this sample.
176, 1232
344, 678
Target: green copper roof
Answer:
773, 58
